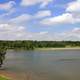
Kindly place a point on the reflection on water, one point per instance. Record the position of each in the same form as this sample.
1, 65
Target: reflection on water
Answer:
45, 65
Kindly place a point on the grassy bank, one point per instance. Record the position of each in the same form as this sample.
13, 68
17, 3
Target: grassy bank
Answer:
66, 48
51, 48
3, 78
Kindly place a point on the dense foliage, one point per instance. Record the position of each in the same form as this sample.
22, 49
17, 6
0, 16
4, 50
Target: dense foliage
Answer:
2, 54
30, 45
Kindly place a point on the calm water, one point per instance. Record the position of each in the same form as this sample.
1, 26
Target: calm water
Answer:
45, 65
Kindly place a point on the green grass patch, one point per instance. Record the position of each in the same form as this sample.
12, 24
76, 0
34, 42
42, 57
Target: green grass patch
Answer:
2, 78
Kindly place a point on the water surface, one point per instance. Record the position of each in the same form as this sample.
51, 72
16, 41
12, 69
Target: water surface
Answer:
45, 65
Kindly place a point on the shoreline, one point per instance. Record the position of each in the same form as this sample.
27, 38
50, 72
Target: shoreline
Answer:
54, 49
65, 48
70, 48
9, 75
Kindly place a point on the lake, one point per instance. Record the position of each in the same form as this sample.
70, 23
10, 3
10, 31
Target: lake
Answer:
45, 64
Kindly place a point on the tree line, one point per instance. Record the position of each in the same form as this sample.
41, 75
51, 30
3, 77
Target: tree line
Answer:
30, 45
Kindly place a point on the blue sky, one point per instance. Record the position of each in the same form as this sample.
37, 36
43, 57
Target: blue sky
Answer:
40, 20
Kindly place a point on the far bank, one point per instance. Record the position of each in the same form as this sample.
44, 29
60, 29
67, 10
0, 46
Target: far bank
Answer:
71, 48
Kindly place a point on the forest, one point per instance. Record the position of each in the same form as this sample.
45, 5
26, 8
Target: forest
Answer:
31, 45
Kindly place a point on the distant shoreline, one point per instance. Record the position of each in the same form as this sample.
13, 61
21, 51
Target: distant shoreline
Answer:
70, 48
65, 48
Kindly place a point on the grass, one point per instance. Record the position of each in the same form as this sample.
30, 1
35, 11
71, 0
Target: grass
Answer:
2, 78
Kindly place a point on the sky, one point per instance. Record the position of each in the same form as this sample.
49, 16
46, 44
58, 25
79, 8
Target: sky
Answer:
50, 20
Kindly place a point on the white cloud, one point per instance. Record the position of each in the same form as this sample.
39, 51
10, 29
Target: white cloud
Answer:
44, 3
21, 19
8, 31
42, 14
72, 34
71, 15
24, 18
74, 9
66, 18
43, 33
61, 19
78, 0
7, 6
13, 32
10, 27
10, 12
73, 6
33, 2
